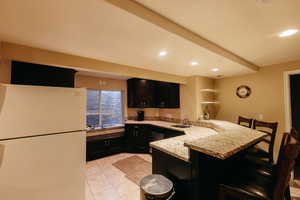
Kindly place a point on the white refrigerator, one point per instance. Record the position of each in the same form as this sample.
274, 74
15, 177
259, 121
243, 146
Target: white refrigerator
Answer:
42, 143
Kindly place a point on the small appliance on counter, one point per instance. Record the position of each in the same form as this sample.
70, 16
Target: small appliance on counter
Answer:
140, 115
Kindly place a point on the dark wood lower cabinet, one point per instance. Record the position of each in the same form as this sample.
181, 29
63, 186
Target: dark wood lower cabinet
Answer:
178, 171
103, 145
198, 179
138, 137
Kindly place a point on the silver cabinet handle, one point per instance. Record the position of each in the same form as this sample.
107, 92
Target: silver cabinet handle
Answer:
2, 97
2, 149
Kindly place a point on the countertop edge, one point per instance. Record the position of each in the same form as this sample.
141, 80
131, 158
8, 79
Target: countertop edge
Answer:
220, 156
170, 153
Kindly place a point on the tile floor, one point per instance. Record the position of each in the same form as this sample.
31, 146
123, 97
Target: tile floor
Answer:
106, 182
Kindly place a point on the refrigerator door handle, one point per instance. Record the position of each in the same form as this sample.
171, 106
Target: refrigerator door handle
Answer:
2, 96
2, 150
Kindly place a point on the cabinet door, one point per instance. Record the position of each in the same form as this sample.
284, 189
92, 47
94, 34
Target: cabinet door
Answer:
167, 95
162, 95
156, 133
141, 93
131, 95
137, 138
130, 137
141, 139
145, 93
173, 95
116, 145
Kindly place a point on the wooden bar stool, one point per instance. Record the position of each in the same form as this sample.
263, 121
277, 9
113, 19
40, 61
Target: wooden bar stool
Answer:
245, 122
249, 186
267, 168
256, 154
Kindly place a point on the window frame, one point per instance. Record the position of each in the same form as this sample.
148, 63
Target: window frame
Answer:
99, 110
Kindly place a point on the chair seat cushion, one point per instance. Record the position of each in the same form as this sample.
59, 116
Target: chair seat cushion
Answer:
259, 153
257, 157
253, 185
264, 170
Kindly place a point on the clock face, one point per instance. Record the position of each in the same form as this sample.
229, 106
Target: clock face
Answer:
243, 91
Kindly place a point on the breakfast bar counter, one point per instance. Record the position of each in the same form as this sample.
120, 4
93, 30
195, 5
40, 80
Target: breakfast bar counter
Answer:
215, 138
198, 160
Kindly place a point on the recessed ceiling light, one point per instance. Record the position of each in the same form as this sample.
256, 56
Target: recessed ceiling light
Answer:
263, 1
163, 53
194, 63
215, 69
288, 33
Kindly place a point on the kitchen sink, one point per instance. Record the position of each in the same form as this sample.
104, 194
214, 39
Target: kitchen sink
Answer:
181, 126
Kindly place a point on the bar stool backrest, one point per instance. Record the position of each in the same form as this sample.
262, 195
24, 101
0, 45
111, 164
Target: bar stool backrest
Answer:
286, 164
270, 128
243, 121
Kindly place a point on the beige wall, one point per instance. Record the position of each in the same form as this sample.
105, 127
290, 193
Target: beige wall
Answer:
5, 71
99, 83
267, 98
149, 112
41, 56
5, 67
170, 113
191, 96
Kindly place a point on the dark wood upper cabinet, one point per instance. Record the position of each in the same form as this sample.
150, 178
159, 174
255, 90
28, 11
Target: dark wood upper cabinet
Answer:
167, 95
144, 93
33, 74
141, 93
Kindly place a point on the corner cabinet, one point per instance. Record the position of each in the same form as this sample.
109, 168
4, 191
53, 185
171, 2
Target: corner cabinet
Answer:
144, 93
103, 145
167, 95
141, 93
137, 138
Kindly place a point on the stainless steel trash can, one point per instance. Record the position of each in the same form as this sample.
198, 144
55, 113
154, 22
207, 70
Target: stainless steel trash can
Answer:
156, 187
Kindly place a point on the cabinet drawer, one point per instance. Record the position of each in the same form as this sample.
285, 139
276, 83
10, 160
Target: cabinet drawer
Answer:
99, 148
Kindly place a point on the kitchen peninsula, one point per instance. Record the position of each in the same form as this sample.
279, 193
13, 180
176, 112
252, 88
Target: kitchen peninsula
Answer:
197, 159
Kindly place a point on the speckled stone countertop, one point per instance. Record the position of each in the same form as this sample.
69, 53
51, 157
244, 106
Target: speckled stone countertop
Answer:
231, 139
175, 146
215, 138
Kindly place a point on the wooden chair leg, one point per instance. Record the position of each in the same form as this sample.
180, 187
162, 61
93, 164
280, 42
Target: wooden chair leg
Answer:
287, 194
221, 194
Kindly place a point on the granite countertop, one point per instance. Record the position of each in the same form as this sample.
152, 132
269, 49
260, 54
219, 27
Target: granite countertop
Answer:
107, 131
216, 138
175, 146
230, 140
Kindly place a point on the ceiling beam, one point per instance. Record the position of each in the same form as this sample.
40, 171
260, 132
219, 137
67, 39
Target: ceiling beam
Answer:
17, 52
153, 17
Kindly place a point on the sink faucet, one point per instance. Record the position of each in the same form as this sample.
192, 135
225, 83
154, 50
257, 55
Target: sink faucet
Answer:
185, 121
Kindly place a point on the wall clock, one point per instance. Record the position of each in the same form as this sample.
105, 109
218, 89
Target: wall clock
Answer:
243, 91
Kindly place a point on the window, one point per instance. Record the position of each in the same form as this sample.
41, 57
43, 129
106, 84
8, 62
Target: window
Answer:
104, 109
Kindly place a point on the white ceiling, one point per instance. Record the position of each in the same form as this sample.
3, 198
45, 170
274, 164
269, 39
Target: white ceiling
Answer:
96, 29
248, 28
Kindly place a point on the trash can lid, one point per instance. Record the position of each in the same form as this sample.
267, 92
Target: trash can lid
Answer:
156, 185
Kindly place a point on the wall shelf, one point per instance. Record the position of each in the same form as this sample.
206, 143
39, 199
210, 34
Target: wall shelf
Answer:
209, 102
209, 90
